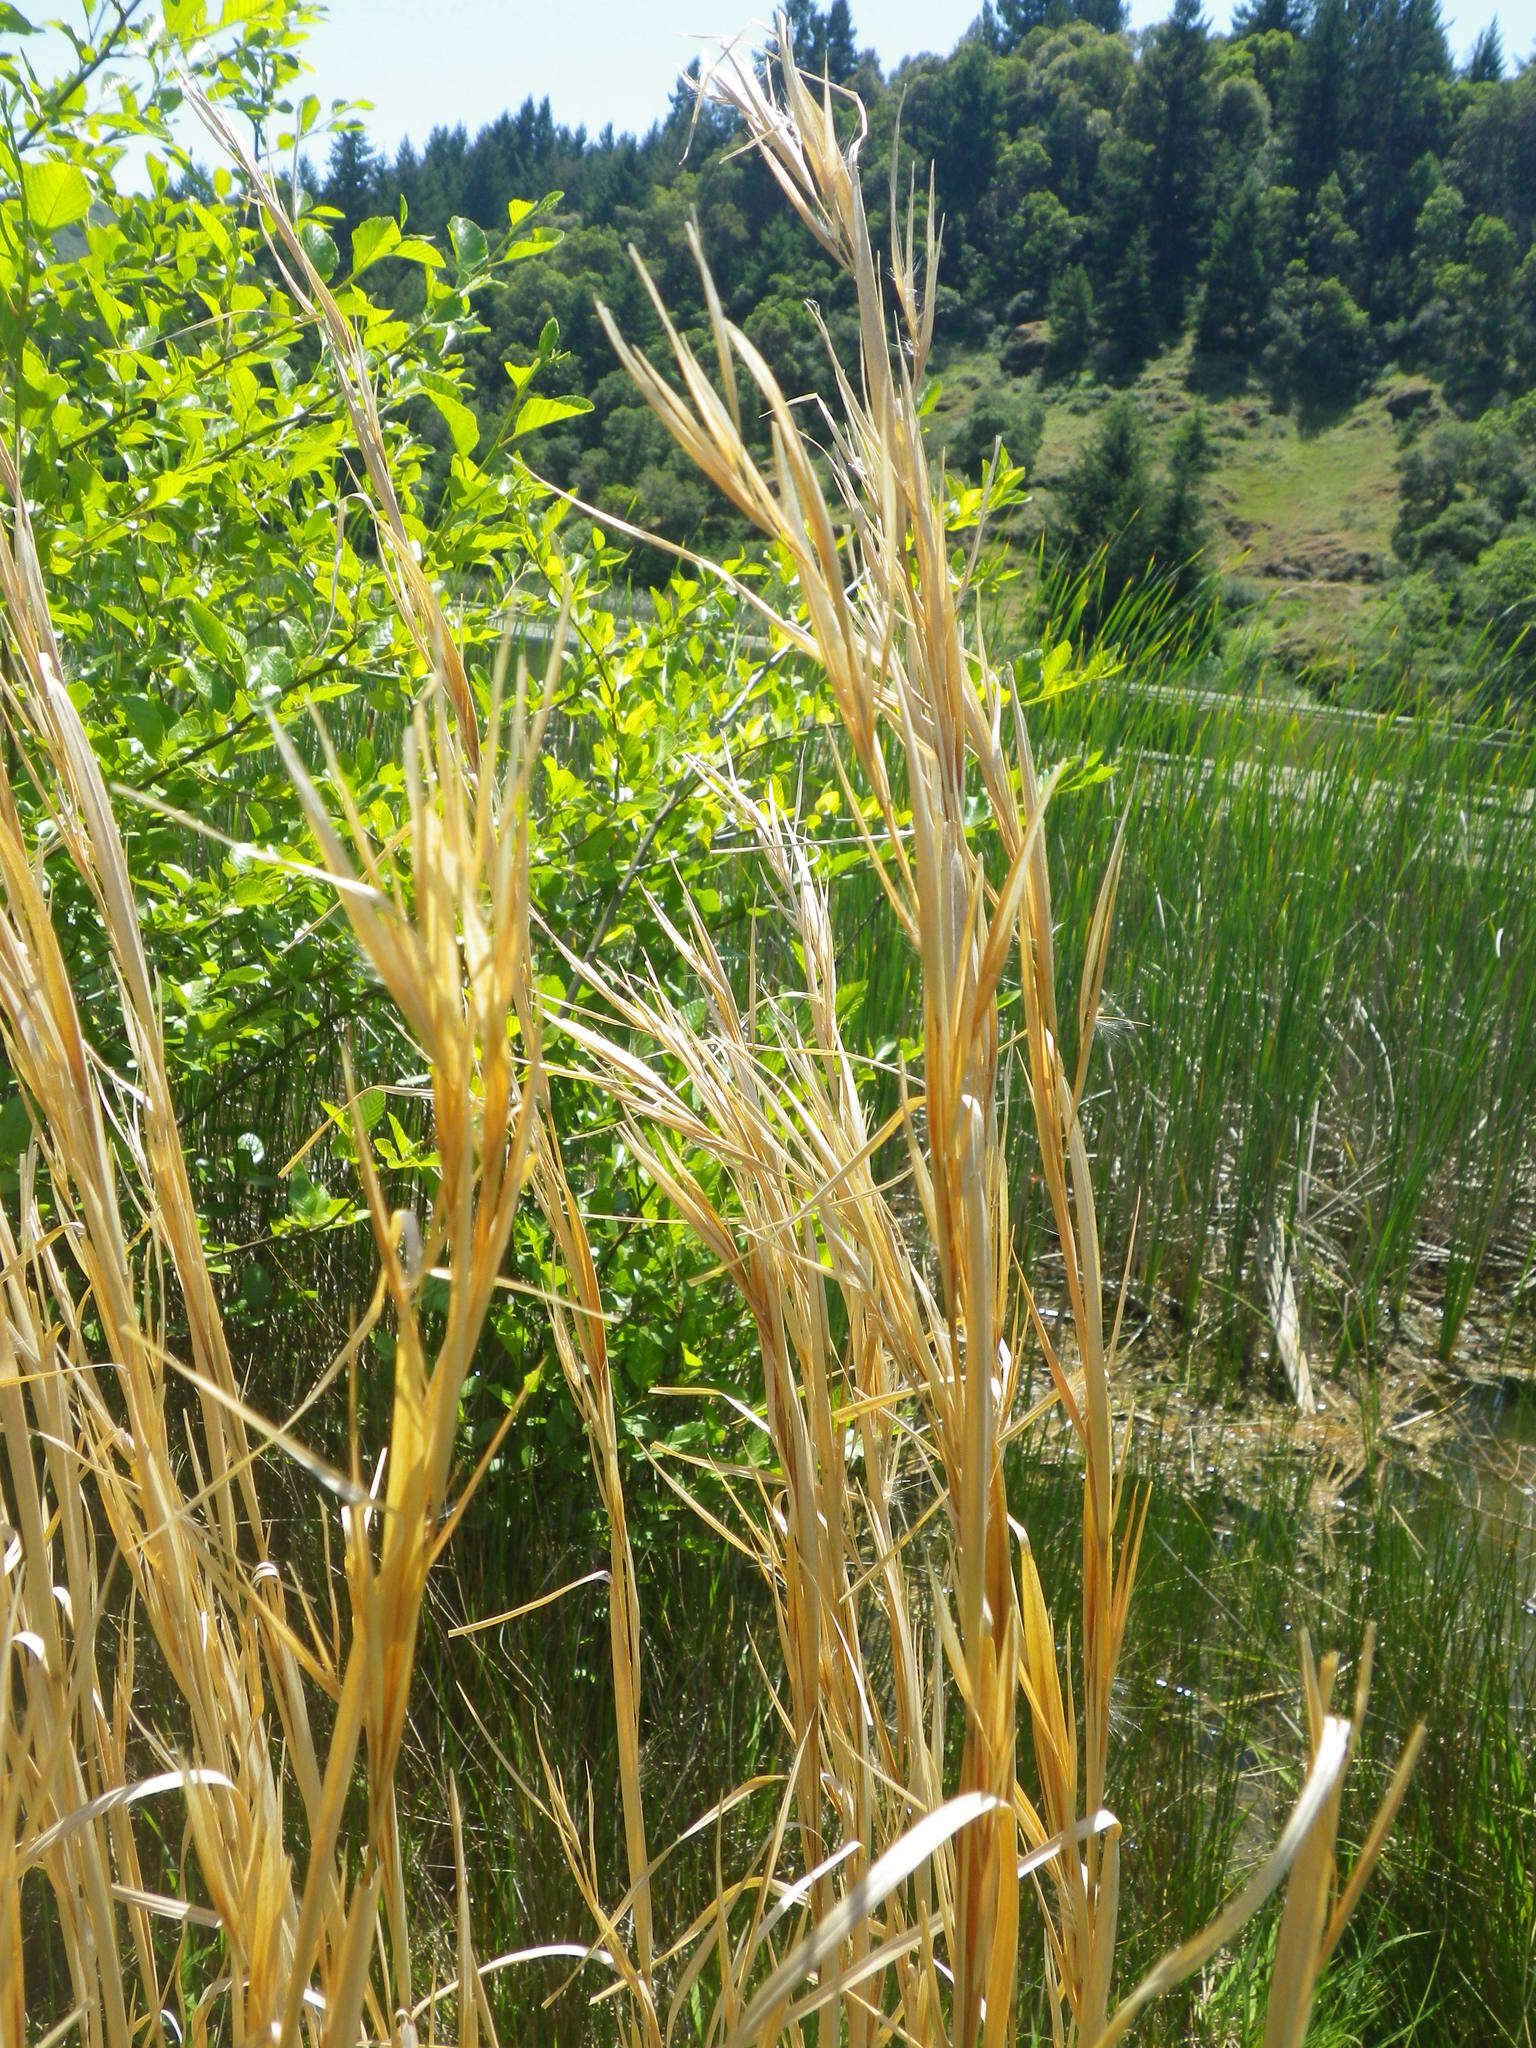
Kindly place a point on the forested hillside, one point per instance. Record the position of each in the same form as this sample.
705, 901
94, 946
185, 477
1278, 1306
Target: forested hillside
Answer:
1293, 210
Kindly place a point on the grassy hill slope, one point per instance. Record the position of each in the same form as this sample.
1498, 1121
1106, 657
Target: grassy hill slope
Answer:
1300, 511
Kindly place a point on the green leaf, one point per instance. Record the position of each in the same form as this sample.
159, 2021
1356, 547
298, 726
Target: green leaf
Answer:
269, 676
372, 239
531, 245
57, 195
469, 244
311, 1202
462, 424
212, 635
15, 23
15, 1131
256, 1287
145, 723
539, 412
319, 248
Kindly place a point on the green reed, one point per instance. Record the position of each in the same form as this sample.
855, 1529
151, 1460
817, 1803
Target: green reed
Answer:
1330, 1022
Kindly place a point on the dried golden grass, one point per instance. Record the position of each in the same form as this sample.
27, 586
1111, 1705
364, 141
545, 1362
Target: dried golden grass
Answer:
888, 1900
923, 1947
275, 1713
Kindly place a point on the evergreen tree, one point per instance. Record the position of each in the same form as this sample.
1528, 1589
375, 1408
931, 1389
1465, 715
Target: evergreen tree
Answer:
1314, 99
1129, 312
1522, 306
1485, 66
1333, 247
807, 32
987, 28
1235, 283
1337, 339
351, 176
1015, 18
955, 119
1111, 17
1104, 501
1122, 175
1269, 17
1439, 236
1401, 64
824, 39
1071, 322
699, 125
1177, 536
1170, 109
402, 180
1476, 293
842, 44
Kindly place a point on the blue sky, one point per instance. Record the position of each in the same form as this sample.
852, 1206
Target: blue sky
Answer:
426, 61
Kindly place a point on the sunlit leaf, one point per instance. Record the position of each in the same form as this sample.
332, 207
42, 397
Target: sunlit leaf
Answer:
56, 194
469, 244
539, 411
320, 248
462, 424
372, 239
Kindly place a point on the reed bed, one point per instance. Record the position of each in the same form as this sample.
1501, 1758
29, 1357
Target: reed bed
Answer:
1317, 1016
940, 1848
1329, 1024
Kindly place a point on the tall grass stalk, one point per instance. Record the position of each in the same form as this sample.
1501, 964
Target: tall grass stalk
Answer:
277, 1723
887, 1340
906, 1843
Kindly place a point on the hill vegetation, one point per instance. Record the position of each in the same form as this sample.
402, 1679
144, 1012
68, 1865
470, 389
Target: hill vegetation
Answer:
1269, 224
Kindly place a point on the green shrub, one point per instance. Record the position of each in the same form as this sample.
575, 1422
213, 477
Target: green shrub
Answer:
1499, 593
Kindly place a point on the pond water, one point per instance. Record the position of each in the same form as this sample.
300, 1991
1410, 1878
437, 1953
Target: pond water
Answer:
1490, 1476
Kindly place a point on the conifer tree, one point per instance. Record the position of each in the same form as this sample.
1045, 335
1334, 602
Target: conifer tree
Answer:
842, 45
1485, 66
1104, 502
1234, 283
1177, 537
1268, 17
1071, 322
1129, 311
825, 43
351, 176
1170, 110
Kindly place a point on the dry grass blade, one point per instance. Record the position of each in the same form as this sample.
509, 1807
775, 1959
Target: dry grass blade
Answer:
929, 1362
913, 1627
313, 1939
414, 596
